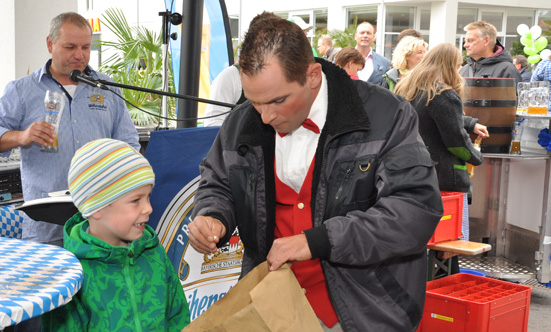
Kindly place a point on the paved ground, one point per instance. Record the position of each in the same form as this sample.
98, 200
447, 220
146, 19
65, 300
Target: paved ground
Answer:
539, 319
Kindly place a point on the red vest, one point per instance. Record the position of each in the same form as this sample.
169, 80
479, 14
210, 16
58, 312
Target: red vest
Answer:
294, 215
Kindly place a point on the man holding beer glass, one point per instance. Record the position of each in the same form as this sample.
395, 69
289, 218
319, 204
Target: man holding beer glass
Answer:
88, 113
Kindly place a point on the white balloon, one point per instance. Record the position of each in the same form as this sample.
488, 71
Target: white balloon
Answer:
523, 29
536, 32
545, 54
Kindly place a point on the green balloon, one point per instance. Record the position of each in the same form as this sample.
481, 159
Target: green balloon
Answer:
541, 43
534, 58
530, 50
526, 41
528, 35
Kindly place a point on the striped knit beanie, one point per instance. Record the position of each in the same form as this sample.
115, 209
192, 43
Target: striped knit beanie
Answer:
104, 170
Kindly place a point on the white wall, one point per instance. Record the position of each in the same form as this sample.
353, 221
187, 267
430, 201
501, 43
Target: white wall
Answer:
7, 40
25, 25
24, 28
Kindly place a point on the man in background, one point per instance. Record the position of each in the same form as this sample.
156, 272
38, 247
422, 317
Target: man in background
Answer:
226, 88
326, 49
375, 65
486, 55
521, 63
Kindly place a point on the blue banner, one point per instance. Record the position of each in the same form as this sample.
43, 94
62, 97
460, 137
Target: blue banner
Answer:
214, 41
175, 156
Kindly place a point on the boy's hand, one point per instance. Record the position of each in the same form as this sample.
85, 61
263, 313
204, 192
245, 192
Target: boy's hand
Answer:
204, 234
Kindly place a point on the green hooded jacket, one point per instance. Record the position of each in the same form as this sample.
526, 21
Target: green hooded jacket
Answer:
132, 288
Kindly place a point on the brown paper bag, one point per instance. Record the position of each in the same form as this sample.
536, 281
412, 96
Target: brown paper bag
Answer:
261, 301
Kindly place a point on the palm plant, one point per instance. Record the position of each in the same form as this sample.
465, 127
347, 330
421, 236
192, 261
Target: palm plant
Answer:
346, 37
137, 61
340, 38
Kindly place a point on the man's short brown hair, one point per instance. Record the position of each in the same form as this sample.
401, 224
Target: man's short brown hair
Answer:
71, 17
521, 60
272, 36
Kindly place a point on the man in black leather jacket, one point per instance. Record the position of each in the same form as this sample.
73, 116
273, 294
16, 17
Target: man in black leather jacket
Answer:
354, 197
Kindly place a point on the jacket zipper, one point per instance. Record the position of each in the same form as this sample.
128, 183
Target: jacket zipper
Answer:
339, 191
331, 297
130, 283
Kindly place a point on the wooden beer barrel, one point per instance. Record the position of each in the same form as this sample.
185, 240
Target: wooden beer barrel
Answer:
494, 102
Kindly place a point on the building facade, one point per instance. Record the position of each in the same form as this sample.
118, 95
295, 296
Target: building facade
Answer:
439, 21
24, 23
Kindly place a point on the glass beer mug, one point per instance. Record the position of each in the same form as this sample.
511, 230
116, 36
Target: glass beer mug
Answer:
54, 102
523, 90
539, 97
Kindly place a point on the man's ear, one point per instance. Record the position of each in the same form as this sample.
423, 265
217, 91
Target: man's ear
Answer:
50, 44
487, 41
313, 75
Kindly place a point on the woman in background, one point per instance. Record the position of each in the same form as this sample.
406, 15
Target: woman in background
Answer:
434, 88
351, 60
407, 54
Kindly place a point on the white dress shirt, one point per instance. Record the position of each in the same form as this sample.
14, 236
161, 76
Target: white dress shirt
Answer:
295, 151
365, 73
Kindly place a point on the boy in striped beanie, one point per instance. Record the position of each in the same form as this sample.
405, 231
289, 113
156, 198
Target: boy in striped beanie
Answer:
129, 282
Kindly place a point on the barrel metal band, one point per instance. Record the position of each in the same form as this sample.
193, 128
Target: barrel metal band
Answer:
499, 129
490, 103
485, 82
494, 148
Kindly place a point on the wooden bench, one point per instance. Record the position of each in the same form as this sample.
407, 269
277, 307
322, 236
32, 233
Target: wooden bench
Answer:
440, 254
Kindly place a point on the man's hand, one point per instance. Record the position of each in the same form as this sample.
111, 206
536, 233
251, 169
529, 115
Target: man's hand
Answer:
40, 132
288, 250
204, 234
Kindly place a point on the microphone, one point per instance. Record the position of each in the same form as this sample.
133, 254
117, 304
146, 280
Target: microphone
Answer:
78, 76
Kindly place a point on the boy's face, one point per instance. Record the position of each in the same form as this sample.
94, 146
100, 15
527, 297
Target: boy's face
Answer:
123, 221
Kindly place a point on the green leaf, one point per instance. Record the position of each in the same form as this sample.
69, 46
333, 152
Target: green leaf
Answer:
137, 61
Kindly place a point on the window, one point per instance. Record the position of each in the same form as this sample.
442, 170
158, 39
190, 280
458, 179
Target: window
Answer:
514, 18
399, 18
320, 21
363, 14
95, 51
424, 24
317, 18
544, 15
234, 30
494, 18
464, 17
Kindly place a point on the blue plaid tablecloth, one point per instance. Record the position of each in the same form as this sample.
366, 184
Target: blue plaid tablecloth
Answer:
11, 222
35, 278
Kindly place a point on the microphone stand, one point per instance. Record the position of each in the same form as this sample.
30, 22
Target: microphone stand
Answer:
163, 93
175, 19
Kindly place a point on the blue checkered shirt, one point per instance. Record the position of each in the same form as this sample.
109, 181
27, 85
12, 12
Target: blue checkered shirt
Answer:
543, 73
91, 114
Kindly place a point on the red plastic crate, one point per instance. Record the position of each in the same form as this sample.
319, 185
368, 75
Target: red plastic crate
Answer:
449, 227
467, 303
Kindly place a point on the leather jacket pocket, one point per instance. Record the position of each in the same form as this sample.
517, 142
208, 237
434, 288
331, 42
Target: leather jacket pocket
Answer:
351, 186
